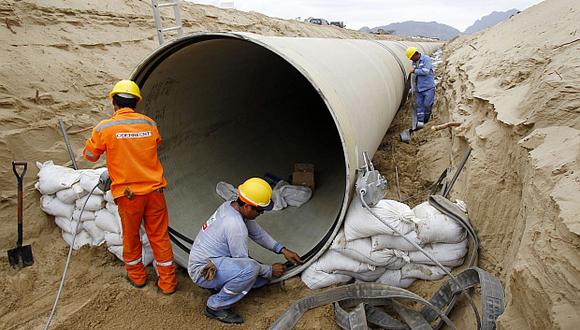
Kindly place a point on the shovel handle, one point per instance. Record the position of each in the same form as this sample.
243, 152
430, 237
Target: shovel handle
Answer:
19, 177
23, 164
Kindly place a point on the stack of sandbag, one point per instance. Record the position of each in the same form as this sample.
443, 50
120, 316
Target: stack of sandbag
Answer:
368, 250
64, 193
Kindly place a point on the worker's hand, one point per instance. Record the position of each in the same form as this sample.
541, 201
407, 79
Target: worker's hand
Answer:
278, 269
412, 70
292, 256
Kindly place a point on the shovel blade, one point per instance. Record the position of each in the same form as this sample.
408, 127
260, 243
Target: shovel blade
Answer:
21, 256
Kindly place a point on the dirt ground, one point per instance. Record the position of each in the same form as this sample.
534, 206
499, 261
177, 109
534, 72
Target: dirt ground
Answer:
514, 88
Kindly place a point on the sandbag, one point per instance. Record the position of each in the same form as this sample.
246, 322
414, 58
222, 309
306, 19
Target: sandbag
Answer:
70, 195
53, 206
448, 254
393, 278
68, 226
146, 254
94, 203
109, 197
83, 238
436, 227
360, 223
380, 242
90, 178
317, 279
361, 250
332, 260
422, 272
285, 194
53, 178
113, 239
86, 215
113, 208
97, 235
106, 221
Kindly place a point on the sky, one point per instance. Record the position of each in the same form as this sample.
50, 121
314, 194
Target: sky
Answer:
358, 13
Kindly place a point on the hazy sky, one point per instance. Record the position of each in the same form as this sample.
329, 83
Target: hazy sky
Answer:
358, 13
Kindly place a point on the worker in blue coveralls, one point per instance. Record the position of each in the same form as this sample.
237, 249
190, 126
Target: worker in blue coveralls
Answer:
424, 85
219, 258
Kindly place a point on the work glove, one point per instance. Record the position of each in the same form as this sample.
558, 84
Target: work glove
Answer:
412, 70
104, 181
208, 272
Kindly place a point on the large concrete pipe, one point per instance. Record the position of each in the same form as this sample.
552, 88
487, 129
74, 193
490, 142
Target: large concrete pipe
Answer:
235, 105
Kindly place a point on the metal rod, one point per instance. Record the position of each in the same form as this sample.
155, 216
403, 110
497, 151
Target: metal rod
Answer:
459, 169
396, 172
67, 142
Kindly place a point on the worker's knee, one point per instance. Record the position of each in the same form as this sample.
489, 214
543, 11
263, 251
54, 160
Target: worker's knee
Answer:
250, 268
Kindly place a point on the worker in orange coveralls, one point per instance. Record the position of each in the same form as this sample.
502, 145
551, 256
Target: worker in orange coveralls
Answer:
130, 140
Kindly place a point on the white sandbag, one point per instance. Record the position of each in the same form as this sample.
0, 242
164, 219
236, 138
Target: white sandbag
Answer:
94, 203
85, 216
369, 276
332, 260
117, 250
448, 254
226, 191
113, 239
109, 197
146, 254
53, 206
361, 250
70, 195
435, 227
317, 279
422, 272
380, 242
285, 194
360, 223
83, 238
393, 278
97, 235
53, 178
90, 178
68, 226
107, 221
112, 207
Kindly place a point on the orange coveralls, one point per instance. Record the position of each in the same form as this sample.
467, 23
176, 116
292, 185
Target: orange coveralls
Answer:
130, 140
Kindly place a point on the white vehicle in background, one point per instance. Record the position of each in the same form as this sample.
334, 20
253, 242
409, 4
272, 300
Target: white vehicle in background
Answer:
319, 21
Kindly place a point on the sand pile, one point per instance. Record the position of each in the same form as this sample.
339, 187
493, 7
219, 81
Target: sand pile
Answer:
515, 88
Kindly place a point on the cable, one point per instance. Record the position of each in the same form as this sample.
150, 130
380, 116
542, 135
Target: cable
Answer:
428, 255
52, 312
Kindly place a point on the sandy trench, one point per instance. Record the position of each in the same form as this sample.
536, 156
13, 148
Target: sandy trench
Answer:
515, 89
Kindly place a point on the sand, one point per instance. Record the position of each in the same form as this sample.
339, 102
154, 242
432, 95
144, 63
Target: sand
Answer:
513, 87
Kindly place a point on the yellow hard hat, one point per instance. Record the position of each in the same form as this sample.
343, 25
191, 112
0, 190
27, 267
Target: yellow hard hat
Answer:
256, 192
126, 87
410, 52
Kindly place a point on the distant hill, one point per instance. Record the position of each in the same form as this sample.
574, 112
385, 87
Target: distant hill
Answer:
490, 20
413, 28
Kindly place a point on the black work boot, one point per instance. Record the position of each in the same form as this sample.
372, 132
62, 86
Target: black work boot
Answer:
138, 286
223, 315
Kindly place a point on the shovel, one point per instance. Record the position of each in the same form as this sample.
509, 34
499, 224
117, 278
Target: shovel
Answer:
20, 256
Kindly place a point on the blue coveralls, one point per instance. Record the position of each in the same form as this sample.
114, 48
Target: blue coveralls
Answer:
223, 239
424, 88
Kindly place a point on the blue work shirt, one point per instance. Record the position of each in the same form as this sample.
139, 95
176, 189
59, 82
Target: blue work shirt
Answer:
424, 74
225, 234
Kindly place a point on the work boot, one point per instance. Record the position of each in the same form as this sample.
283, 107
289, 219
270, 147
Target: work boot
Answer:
167, 293
224, 315
135, 285
420, 125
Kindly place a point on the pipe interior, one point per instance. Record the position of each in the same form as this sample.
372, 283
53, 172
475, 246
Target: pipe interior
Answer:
228, 110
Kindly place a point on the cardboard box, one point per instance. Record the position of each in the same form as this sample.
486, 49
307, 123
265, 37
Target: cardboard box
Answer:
303, 175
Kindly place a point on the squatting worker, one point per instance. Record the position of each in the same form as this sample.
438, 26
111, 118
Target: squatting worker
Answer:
424, 86
130, 140
219, 256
